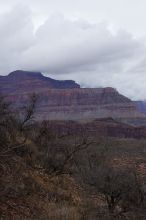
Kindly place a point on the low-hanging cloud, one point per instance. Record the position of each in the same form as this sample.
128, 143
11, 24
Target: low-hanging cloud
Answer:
87, 52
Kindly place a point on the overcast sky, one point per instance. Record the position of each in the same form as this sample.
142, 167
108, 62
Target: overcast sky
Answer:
98, 43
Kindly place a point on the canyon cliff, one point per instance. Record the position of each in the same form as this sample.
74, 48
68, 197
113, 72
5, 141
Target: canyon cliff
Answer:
65, 100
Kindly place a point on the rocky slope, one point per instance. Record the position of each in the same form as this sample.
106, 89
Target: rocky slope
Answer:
65, 100
106, 127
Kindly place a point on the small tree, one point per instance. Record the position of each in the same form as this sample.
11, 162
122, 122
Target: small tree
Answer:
13, 143
57, 154
121, 189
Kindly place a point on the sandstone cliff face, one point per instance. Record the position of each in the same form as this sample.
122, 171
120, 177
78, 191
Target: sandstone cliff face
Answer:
85, 104
65, 100
140, 106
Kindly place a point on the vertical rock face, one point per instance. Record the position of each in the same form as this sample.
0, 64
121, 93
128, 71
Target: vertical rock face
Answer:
87, 104
141, 106
65, 100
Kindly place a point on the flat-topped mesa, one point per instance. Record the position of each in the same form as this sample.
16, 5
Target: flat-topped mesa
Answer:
88, 97
23, 81
48, 82
65, 100
24, 74
110, 89
99, 90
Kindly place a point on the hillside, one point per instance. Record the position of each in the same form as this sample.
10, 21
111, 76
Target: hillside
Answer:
49, 175
106, 127
65, 100
23, 81
57, 170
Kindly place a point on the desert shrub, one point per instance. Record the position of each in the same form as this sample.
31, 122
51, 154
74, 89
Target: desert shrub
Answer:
121, 189
57, 154
14, 145
31, 156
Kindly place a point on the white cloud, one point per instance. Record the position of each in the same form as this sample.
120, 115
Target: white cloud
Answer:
89, 52
16, 35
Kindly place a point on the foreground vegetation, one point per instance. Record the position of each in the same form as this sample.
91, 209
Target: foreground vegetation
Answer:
47, 176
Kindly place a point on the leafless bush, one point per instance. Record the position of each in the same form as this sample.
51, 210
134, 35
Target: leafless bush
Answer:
13, 143
57, 154
121, 189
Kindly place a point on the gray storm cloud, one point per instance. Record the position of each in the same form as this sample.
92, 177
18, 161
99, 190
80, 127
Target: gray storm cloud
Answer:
73, 48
